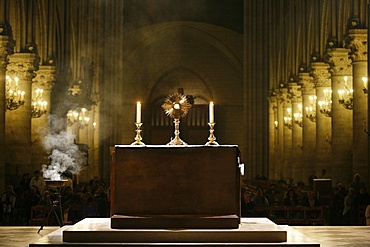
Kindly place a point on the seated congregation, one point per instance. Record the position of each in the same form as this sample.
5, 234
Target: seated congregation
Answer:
30, 201
298, 204
26, 201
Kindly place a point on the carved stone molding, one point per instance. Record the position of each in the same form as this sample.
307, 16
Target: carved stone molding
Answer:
45, 77
22, 65
273, 102
6, 49
357, 42
283, 96
294, 91
308, 86
272, 99
320, 73
340, 62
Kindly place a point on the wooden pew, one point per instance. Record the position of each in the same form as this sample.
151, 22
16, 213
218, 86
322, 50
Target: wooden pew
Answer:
293, 214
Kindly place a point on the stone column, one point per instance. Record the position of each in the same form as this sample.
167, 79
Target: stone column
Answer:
5, 49
280, 134
45, 79
341, 138
296, 97
287, 135
83, 139
358, 45
96, 139
322, 81
83, 136
18, 122
74, 129
309, 126
273, 124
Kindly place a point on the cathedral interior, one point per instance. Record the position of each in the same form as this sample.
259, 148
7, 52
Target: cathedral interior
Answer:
288, 80
285, 81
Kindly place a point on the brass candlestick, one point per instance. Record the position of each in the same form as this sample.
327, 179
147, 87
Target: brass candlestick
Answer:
138, 136
211, 138
177, 140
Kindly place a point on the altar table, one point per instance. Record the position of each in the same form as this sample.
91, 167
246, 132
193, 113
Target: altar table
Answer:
163, 186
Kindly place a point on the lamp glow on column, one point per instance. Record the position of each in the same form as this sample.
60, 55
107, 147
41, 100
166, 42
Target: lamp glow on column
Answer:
14, 98
138, 124
346, 96
211, 138
364, 80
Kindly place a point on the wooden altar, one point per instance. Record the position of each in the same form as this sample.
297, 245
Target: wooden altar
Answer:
160, 186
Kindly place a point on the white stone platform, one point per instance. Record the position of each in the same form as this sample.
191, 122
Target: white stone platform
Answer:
252, 232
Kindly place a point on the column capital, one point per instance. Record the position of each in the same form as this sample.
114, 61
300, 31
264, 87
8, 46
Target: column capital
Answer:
308, 86
6, 49
22, 65
320, 73
272, 99
295, 91
341, 64
45, 77
273, 95
283, 95
273, 102
357, 42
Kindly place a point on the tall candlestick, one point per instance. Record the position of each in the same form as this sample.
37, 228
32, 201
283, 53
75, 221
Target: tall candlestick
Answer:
138, 112
211, 112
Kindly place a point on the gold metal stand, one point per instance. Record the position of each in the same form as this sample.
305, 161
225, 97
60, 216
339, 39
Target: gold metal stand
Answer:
211, 138
177, 140
138, 136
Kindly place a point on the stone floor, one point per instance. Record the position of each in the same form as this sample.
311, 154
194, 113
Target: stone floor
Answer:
21, 236
327, 236
339, 236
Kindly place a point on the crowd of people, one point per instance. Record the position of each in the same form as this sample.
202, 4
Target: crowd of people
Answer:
342, 206
78, 201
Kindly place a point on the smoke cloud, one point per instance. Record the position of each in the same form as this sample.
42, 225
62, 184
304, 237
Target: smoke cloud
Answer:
65, 155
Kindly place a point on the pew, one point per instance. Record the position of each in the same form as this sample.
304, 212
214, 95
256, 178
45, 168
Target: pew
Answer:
293, 215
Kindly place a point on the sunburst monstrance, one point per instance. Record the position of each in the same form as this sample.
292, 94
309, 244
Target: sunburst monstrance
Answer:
176, 106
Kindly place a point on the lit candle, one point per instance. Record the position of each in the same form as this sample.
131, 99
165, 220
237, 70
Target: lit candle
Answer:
211, 112
340, 93
364, 80
138, 112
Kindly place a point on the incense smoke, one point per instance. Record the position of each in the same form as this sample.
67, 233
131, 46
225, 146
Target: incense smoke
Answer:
65, 155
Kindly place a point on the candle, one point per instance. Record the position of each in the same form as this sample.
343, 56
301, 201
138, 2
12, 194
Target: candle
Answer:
211, 112
364, 80
16, 81
138, 112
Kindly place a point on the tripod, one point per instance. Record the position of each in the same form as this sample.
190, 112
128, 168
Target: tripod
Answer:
52, 206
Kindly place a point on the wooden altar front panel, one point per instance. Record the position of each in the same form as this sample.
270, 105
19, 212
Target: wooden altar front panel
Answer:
175, 180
